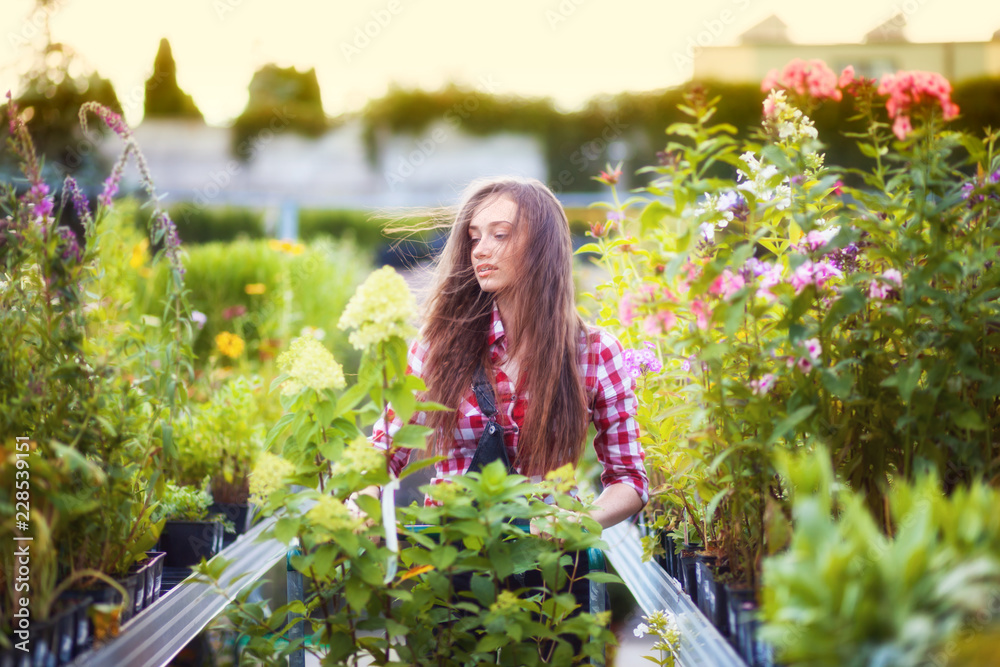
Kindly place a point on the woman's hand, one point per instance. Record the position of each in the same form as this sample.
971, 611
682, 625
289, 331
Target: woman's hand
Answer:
356, 511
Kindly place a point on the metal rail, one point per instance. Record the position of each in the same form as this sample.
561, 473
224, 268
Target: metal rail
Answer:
654, 589
155, 636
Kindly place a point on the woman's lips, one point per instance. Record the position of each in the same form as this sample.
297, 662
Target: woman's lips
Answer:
485, 269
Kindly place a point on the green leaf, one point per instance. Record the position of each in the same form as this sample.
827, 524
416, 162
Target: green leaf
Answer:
789, 423
350, 398
286, 528
412, 436
278, 428
603, 577
905, 380
588, 247
971, 420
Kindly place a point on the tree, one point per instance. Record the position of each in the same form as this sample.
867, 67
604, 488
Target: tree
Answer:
281, 98
164, 98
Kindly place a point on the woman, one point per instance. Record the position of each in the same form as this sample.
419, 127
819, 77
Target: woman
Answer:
502, 301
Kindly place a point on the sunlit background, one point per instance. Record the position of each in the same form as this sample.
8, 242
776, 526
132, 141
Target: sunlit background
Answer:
305, 103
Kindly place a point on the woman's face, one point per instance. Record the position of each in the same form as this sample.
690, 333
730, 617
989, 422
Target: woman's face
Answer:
491, 233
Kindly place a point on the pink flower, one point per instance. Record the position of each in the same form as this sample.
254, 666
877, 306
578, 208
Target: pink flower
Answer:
911, 90
846, 77
813, 348
238, 310
814, 273
727, 284
813, 78
702, 313
901, 127
805, 364
659, 324
763, 385
626, 310
816, 239
882, 286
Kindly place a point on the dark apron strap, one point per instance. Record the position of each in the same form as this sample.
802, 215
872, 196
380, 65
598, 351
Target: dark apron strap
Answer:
491, 445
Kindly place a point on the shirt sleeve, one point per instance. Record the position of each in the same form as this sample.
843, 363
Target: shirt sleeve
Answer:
617, 440
389, 424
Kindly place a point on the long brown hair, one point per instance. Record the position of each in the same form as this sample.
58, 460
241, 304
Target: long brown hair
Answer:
544, 330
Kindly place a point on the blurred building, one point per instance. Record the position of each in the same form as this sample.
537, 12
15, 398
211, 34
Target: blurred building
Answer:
194, 162
884, 49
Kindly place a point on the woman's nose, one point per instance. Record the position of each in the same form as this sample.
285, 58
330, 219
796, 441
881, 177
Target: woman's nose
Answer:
482, 249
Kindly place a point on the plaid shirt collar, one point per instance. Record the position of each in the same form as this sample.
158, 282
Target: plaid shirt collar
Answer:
498, 337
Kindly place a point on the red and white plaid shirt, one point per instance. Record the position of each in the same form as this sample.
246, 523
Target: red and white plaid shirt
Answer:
611, 405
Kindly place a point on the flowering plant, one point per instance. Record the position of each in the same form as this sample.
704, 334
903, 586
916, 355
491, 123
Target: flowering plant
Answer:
91, 401
369, 598
791, 309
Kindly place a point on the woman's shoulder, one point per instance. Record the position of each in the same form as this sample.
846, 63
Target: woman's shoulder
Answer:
598, 340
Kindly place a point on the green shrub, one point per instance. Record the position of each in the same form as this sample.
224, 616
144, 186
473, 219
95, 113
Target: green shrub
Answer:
308, 289
205, 224
846, 594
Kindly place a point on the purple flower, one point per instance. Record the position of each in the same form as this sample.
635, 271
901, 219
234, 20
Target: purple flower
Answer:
615, 216
114, 122
164, 227
763, 385
199, 318
80, 204
71, 249
642, 360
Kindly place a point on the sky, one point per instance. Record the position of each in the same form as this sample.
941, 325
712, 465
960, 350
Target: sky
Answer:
569, 50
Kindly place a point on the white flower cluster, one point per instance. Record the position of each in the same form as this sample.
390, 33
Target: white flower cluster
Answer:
758, 182
662, 624
382, 308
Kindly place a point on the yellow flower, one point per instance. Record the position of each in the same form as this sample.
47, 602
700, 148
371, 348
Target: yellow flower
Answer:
229, 344
506, 601
139, 254
331, 514
359, 457
268, 476
255, 288
382, 307
286, 246
310, 365
563, 479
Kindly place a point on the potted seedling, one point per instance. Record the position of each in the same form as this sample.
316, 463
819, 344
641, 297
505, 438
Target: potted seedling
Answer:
189, 533
222, 441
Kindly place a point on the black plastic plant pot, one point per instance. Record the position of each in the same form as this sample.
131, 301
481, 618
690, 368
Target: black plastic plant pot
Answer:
43, 644
241, 514
139, 594
763, 654
154, 576
704, 580
739, 601
81, 625
187, 542
689, 578
130, 582
64, 633
14, 658
668, 555
103, 594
